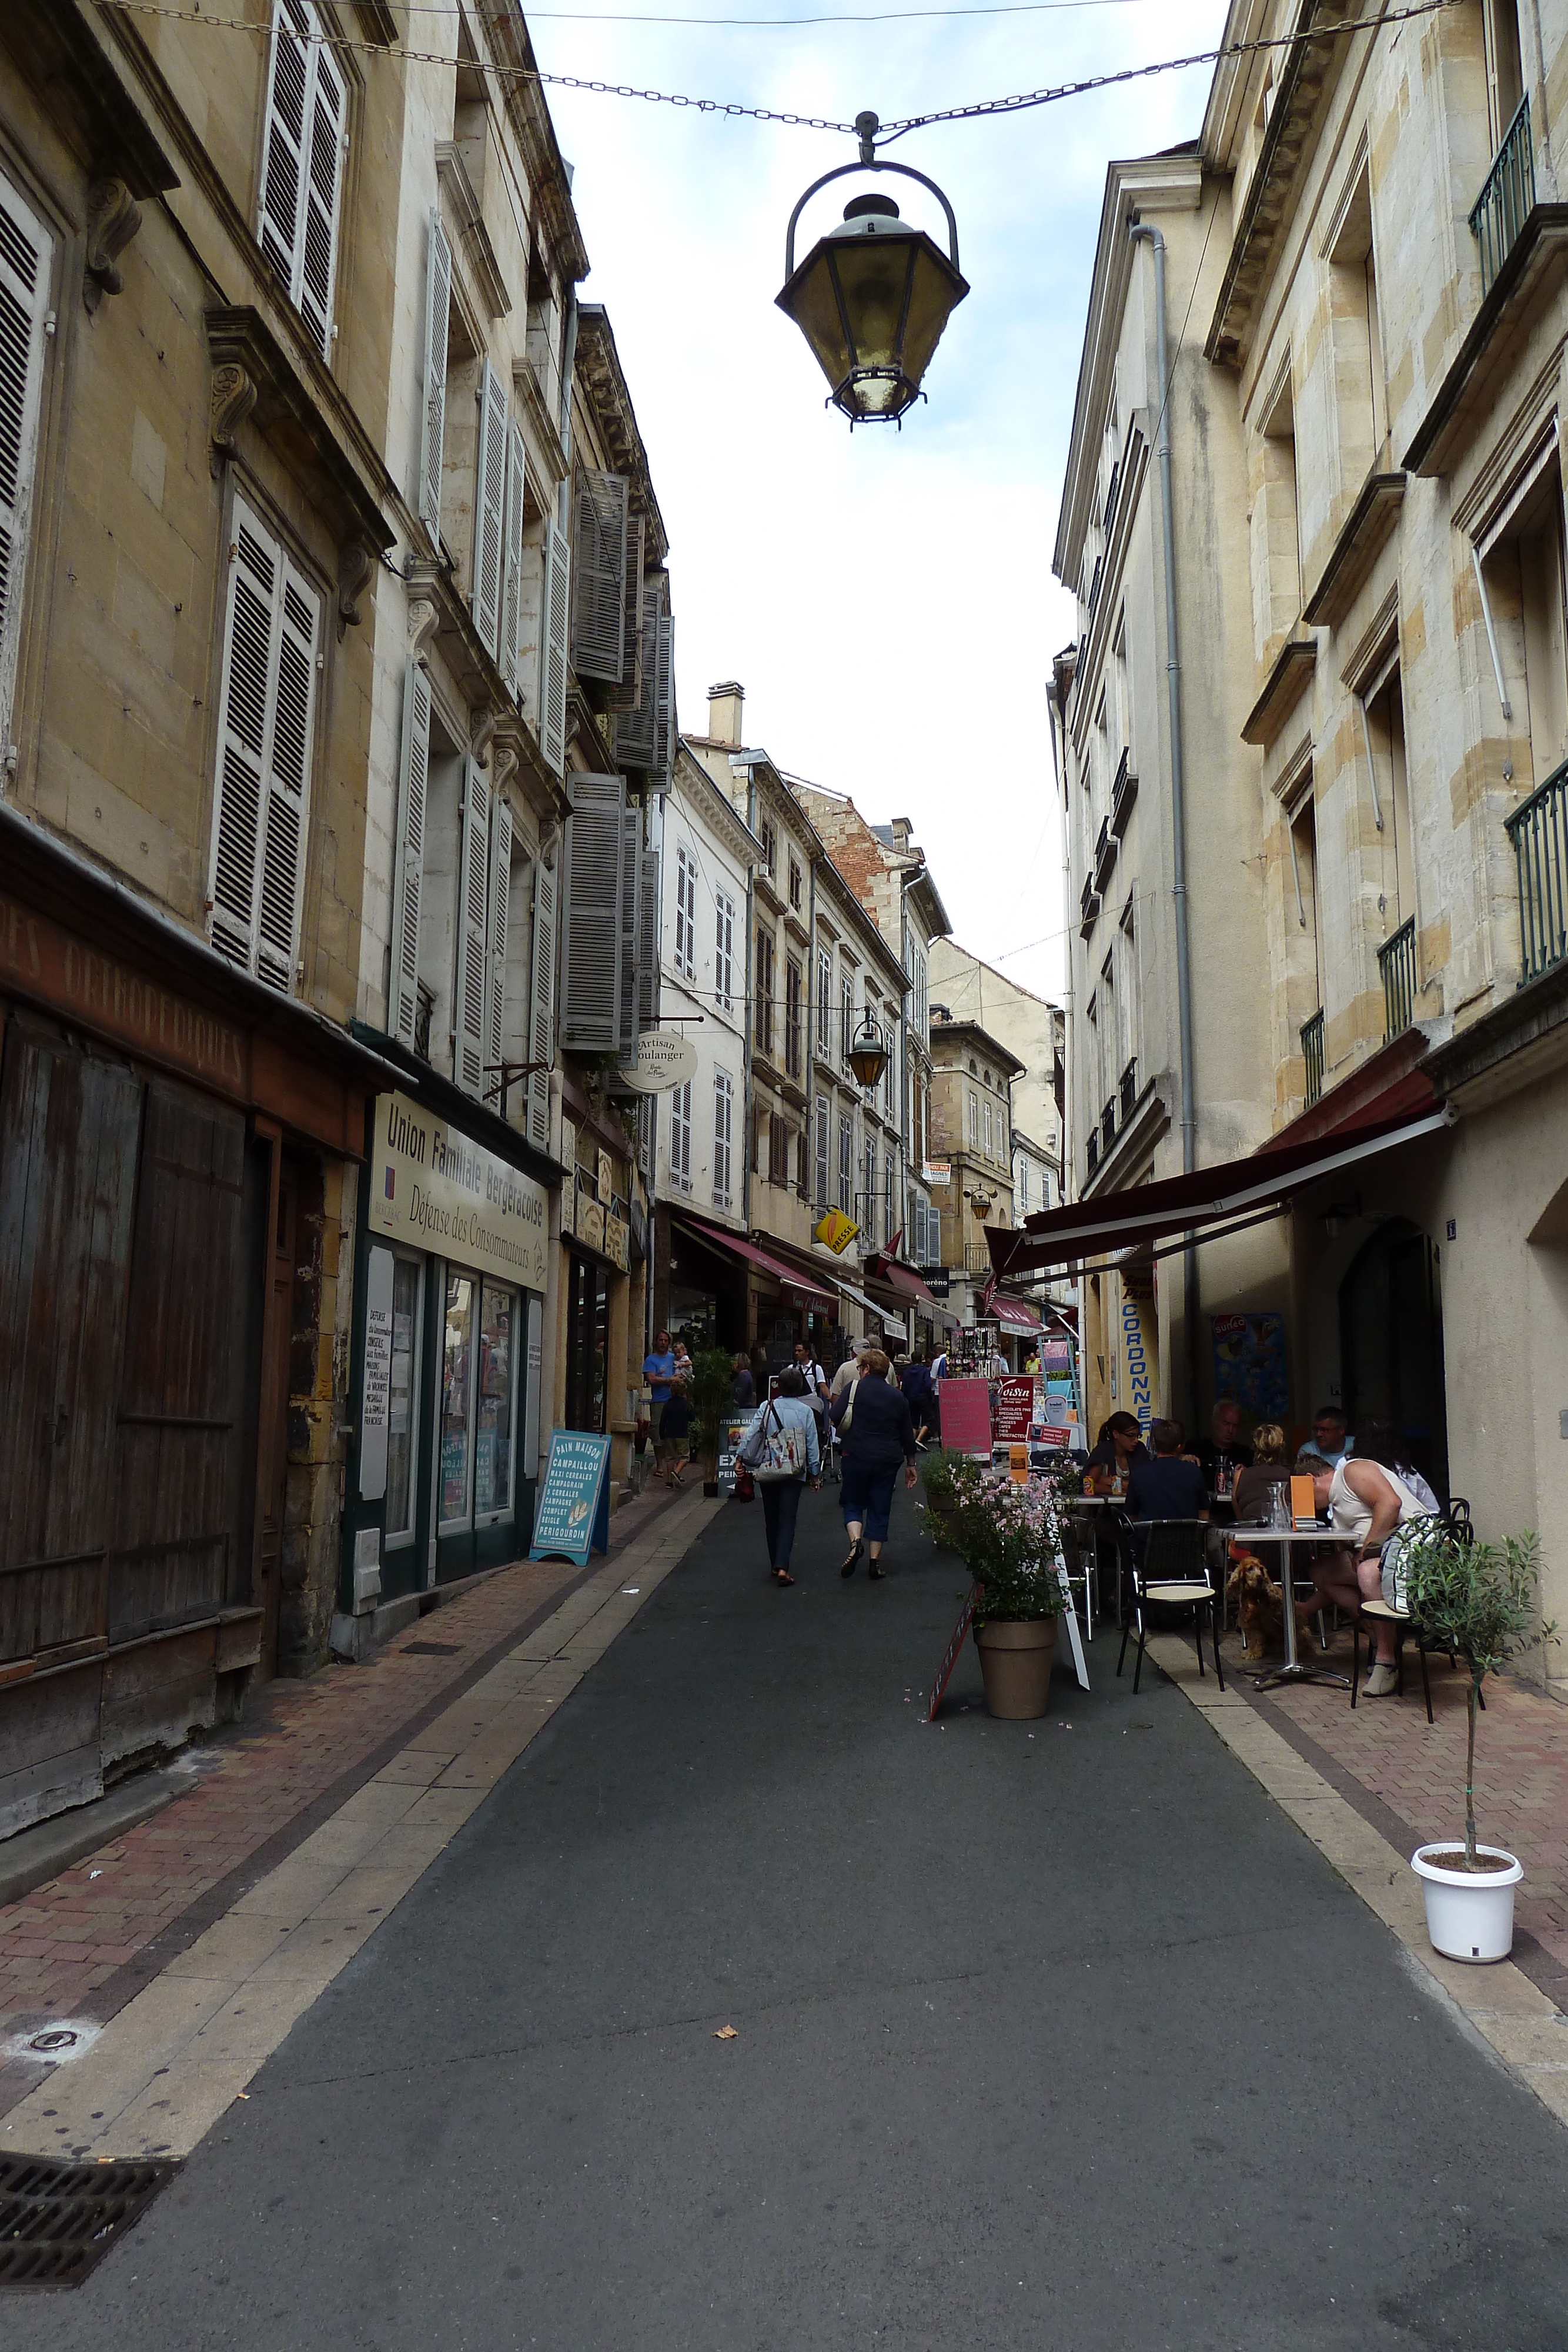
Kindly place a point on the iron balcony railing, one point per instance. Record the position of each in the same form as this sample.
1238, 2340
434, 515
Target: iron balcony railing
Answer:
1539, 831
1111, 493
1312, 1054
977, 1260
1094, 583
1104, 855
1108, 1126
1129, 1089
1507, 197
1397, 962
1092, 1151
1124, 792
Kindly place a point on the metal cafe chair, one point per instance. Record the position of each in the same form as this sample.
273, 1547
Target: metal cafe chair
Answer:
1169, 1569
1081, 1560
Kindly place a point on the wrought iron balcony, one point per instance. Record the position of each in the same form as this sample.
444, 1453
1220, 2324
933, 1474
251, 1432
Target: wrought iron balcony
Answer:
1507, 197
1539, 831
1092, 1151
1089, 908
1312, 1054
1128, 1089
1104, 855
1094, 583
1397, 962
1111, 493
1108, 1125
1124, 792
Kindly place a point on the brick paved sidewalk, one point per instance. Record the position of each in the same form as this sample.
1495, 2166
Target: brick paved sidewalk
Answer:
86, 1942
1407, 1778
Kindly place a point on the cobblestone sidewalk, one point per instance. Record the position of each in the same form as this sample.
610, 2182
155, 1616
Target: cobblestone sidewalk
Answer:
85, 1943
1407, 1778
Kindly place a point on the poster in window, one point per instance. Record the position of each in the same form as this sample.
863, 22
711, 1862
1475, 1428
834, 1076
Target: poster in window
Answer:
1249, 1364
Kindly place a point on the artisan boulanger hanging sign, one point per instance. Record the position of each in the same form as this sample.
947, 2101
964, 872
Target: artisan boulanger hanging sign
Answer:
432, 1186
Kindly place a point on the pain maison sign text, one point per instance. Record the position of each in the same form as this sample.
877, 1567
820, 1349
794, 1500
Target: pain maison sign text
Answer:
433, 1187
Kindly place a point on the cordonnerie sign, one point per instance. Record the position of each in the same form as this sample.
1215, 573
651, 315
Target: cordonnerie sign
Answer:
434, 1188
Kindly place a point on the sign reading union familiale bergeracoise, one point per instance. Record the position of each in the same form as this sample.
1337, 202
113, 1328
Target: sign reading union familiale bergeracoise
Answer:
433, 1187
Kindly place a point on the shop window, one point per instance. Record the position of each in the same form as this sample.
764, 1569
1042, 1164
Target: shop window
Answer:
586, 1343
456, 1383
495, 1401
25, 256
722, 1121
724, 956
302, 168
403, 1399
476, 1479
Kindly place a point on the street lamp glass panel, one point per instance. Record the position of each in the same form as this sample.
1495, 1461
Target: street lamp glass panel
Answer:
868, 1056
872, 300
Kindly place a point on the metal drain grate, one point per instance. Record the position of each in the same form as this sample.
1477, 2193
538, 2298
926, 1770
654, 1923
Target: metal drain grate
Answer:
58, 2221
432, 1649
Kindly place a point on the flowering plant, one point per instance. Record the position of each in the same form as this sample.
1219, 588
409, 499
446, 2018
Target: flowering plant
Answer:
1008, 1536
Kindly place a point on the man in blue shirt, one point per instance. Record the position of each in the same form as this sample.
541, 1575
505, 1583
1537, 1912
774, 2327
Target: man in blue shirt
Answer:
1167, 1487
659, 1371
1331, 1434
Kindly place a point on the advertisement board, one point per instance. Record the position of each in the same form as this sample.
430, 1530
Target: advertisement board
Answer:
433, 1187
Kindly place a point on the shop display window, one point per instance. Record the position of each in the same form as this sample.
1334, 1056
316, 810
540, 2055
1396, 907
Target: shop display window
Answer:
456, 1382
478, 1401
492, 1413
402, 1409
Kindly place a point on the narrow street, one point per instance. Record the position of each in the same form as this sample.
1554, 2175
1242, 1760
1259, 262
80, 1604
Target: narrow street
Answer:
1058, 2033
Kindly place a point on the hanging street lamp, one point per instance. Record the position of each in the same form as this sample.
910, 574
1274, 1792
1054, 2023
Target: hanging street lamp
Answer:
868, 1054
871, 298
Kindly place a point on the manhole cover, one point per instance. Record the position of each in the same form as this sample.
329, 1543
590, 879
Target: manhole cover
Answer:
56, 2037
58, 2221
432, 1649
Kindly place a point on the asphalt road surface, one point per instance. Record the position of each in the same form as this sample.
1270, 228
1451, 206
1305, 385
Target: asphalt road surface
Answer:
1053, 2035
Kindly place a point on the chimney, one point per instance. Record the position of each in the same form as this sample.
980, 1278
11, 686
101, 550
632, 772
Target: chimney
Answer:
724, 709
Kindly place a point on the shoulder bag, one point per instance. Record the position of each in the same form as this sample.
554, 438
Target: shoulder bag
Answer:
848, 1413
782, 1453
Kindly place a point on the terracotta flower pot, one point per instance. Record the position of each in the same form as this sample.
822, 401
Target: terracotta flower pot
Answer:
1015, 1664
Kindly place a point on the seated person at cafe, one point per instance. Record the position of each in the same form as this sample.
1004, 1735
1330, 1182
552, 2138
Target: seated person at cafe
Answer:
1121, 1444
1225, 1444
1366, 1503
1331, 1434
1253, 1492
1167, 1487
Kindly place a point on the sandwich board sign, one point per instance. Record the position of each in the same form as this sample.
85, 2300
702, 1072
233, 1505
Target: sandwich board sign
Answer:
572, 1516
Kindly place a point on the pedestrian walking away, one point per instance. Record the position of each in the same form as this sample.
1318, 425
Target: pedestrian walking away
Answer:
743, 1386
659, 1371
875, 1434
920, 1394
781, 1497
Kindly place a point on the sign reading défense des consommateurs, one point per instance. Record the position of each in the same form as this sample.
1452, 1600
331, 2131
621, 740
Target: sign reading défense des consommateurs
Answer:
432, 1187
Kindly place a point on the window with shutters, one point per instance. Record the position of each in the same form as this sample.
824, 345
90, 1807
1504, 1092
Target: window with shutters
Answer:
432, 414
26, 255
763, 1025
920, 975
846, 1016
986, 1129
724, 952
824, 1133
553, 648
723, 1127
1023, 1186
267, 712
868, 1221
590, 916
765, 834
497, 923
792, 1018
794, 886
756, 1146
890, 1074
490, 510
469, 1013
541, 1004
777, 1149
802, 1165
303, 145
408, 872
631, 911
681, 1138
685, 915
846, 1167
824, 998
974, 1119
599, 574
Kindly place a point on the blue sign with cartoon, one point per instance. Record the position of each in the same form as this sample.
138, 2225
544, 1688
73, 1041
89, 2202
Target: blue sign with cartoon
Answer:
572, 1518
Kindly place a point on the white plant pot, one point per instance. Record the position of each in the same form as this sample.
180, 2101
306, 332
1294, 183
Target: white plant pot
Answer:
1469, 1916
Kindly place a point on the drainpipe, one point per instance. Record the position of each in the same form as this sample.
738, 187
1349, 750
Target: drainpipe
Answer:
1140, 234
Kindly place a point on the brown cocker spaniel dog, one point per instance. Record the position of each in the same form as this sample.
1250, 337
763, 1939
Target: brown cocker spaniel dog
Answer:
1260, 1605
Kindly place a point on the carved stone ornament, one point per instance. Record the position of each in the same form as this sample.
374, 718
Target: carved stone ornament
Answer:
232, 399
503, 765
113, 217
355, 565
423, 616
483, 736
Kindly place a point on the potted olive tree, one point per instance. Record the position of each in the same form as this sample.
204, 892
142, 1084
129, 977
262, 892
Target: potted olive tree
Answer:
1007, 1534
1478, 1602
712, 1403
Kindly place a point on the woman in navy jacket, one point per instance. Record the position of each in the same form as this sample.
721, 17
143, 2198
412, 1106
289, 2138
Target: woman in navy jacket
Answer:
880, 1436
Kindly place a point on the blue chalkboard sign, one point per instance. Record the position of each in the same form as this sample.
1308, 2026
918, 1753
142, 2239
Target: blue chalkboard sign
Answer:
573, 1513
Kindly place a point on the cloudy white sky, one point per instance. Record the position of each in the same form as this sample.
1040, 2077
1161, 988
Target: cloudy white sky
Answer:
886, 599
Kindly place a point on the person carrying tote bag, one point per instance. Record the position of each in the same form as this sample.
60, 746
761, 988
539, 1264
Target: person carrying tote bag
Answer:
780, 1449
877, 1434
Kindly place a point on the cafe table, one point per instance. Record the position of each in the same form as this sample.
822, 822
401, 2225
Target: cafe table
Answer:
1294, 1669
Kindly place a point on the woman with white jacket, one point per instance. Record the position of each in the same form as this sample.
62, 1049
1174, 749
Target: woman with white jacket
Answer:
781, 1497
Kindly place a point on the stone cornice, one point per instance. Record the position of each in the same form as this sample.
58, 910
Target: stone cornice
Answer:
60, 50
604, 384
248, 359
1366, 530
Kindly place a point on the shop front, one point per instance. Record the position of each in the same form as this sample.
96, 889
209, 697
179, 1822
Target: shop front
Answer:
453, 1253
601, 1276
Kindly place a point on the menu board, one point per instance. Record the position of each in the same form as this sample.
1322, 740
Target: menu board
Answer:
729, 1436
966, 1407
1014, 1411
573, 1515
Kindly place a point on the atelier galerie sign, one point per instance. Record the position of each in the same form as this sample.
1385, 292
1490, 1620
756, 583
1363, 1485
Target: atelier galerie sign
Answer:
434, 1188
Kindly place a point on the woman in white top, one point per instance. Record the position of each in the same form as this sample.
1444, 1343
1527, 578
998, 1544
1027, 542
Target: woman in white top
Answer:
1367, 1503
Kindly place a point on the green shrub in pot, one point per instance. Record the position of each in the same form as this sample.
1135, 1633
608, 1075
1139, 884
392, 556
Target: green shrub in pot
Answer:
712, 1403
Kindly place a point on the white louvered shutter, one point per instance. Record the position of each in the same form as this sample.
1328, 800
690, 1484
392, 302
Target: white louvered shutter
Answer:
408, 887
822, 1118
541, 1006
25, 256
288, 780
662, 771
433, 422
631, 925
590, 916
512, 566
469, 1009
490, 508
648, 944
302, 164
496, 969
552, 652
598, 576
624, 696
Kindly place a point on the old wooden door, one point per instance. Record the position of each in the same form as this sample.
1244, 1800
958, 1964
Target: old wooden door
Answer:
272, 1420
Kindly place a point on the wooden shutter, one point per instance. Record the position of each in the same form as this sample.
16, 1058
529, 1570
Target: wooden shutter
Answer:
323, 179
408, 889
512, 567
541, 1006
306, 107
469, 1009
635, 730
648, 944
24, 257
495, 969
625, 696
598, 576
631, 924
662, 768
552, 653
288, 780
590, 916
433, 424
490, 508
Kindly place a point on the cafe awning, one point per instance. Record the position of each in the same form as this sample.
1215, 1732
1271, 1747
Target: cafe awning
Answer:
1234, 1193
1014, 1315
713, 1237
902, 1279
858, 1299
